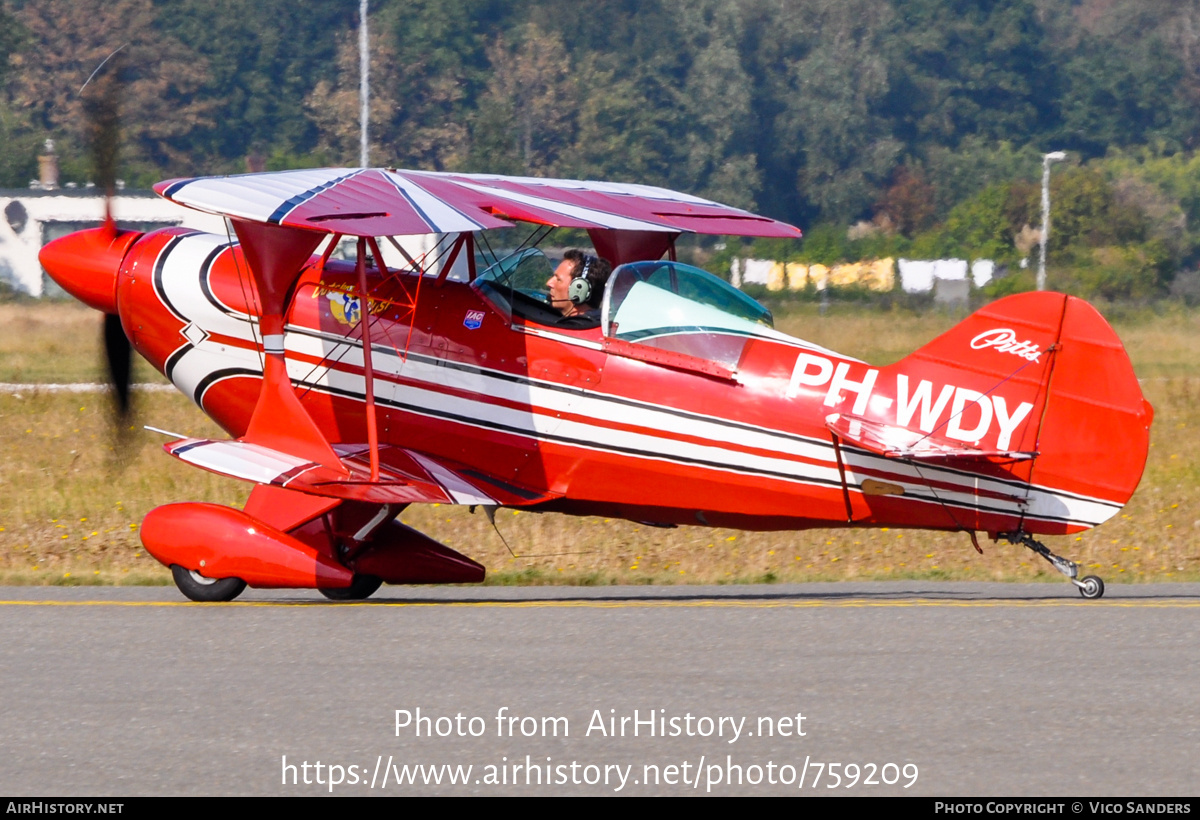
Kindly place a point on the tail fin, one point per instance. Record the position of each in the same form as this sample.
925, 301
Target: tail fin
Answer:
1035, 387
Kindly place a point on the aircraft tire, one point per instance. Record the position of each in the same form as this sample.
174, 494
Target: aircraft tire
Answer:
1092, 588
361, 588
206, 590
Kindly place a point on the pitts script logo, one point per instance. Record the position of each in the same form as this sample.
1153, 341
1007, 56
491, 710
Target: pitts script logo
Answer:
1005, 341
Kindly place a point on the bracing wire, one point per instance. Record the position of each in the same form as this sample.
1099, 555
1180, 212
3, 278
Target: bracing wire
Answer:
491, 516
329, 359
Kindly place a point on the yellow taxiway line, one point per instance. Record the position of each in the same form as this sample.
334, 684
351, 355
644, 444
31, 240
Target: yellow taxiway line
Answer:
1134, 603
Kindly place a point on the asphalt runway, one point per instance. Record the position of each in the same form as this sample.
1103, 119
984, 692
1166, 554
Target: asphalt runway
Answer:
957, 689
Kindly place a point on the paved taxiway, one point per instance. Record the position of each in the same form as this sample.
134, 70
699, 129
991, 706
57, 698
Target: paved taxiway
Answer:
988, 689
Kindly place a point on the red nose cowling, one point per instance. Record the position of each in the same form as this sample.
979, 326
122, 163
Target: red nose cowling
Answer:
86, 264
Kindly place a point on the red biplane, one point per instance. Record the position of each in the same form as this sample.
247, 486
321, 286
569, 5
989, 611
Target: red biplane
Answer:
431, 367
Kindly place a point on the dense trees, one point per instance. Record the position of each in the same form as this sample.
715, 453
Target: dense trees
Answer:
804, 107
913, 117
66, 40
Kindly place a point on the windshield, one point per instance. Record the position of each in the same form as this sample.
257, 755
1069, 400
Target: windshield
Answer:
684, 309
525, 271
650, 298
517, 284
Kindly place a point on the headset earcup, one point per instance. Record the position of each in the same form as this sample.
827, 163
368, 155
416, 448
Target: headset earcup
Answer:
579, 291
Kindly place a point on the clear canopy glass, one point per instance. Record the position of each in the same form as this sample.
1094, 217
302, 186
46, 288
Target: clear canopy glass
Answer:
681, 308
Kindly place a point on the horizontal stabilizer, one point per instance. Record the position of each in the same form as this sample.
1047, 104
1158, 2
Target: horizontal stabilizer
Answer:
902, 443
405, 476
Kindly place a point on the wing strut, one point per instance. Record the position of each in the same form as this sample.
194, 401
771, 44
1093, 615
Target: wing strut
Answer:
364, 310
275, 255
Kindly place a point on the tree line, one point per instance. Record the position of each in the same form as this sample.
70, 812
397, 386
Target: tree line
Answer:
921, 122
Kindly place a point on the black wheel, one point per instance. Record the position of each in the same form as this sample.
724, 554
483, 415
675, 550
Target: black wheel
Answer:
206, 590
363, 586
1092, 587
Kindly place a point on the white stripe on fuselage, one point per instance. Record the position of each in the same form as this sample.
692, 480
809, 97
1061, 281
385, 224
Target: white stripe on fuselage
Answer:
182, 286
542, 404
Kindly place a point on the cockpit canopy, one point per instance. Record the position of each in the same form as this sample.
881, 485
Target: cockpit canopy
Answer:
647, 299
681, 308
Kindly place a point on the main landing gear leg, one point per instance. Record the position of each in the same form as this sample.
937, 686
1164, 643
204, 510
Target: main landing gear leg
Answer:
1090, 586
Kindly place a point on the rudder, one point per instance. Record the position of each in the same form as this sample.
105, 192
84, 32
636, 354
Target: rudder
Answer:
1060, 391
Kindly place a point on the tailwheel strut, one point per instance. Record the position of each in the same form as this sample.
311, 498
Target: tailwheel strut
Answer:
1090, 586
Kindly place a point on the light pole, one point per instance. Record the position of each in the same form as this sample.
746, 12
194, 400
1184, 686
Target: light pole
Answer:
1053, 156
364, 93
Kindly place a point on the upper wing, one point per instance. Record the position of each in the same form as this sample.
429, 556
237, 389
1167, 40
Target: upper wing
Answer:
384, 202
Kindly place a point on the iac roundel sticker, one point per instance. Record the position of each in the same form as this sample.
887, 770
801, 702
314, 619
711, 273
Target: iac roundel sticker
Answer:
473, 319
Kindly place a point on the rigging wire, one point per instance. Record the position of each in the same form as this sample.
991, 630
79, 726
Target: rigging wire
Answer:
490, 512
916, 465
329, 359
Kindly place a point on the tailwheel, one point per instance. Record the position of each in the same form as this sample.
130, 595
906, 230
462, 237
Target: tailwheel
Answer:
206, 590
361, 588
1090, 587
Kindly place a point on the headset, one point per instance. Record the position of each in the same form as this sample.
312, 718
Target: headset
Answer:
580, 289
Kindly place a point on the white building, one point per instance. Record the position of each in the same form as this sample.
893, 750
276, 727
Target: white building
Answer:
33, 217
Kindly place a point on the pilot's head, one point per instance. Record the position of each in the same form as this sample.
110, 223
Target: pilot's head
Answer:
577, 284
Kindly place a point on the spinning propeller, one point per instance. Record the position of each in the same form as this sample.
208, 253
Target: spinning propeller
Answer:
101, 105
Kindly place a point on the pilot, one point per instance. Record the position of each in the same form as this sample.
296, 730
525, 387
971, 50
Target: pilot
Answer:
576, 288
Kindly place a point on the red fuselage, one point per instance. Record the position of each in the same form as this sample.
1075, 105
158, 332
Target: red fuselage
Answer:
609, 427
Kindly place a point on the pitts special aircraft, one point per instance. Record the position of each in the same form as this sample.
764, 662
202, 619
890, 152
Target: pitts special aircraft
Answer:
440, 372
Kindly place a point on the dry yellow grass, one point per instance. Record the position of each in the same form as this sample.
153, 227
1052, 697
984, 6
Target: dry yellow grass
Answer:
71, 511
49, 342
73, 507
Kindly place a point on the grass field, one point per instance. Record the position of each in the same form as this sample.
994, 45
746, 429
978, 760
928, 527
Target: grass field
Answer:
73, 505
